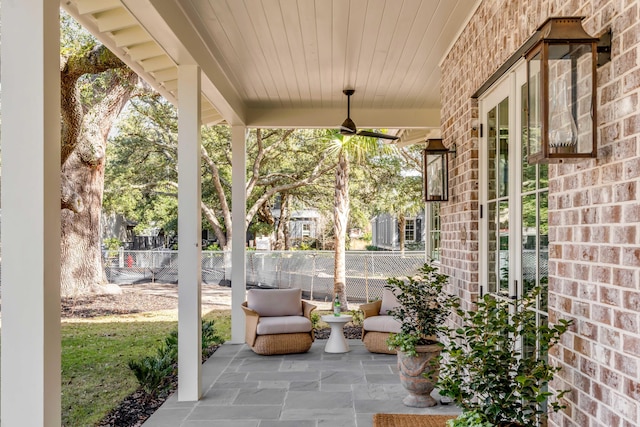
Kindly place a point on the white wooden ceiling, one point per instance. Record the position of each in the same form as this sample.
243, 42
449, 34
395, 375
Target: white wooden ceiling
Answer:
284, 63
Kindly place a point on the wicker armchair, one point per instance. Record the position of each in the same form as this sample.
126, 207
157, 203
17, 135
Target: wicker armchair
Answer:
377, 324
278, 321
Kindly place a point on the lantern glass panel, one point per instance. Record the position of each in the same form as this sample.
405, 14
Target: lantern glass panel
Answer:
435, 176
534, 131
570, 123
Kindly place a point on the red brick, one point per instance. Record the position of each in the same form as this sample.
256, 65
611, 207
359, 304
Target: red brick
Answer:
612, 173
608, 418
581, 309
632, 168
631, 345
601, 393
589, 216
581, 272
626, 364
582, 382
610, 378
602, 195
610, 254
588, 291
610, 296
624, 192
611, 214
631, 213
624, 234
631, 300
601, 314
631, 257
582, 346
601, 274
588, 330
599, 234
631, 125
626, 321
610, 337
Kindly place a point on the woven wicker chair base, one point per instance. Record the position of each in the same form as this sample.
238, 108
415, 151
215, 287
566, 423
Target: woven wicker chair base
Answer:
376, 342
268, 345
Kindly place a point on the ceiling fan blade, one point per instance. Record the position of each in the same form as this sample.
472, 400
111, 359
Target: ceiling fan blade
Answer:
348, 127
346, 131
377, 135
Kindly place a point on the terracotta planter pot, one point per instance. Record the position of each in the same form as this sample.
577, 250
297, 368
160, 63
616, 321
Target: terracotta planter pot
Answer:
411, 370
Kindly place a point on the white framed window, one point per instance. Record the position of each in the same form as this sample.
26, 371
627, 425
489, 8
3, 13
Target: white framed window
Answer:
410, 230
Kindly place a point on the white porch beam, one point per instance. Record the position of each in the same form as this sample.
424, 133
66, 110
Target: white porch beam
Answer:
31, 389
238, 232
388, 118
166, 20
189, 235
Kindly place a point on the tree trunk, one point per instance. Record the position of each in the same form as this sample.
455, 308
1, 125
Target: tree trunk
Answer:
402, 225
341, 215
82, 269
81, 256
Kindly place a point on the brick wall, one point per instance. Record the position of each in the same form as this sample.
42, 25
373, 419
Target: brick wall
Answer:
594, 212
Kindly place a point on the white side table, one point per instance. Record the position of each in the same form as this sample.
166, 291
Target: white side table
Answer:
337, 342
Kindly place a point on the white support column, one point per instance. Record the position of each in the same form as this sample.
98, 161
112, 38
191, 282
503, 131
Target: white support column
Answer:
189, 235
238, 234
31, 390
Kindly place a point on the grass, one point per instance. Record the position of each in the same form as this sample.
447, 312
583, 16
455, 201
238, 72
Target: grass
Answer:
95, 353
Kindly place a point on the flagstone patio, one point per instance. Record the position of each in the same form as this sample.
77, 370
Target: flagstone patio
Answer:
314, 389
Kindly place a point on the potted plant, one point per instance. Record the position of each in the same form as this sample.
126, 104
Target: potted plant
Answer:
422, 310
494, 365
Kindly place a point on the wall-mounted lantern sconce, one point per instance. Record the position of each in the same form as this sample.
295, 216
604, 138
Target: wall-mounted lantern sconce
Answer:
561, 77
435, 171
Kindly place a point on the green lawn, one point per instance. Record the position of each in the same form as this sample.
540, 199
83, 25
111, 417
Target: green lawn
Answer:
95, 375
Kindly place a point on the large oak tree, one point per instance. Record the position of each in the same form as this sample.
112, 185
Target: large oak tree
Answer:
95, 86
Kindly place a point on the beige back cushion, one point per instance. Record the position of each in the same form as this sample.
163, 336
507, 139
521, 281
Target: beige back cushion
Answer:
275, 302
389, 301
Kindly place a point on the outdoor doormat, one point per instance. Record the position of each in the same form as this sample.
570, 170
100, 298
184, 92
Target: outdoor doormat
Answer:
410, 420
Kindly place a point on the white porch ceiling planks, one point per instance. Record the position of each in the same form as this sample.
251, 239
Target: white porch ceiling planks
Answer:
122, 32
284, 63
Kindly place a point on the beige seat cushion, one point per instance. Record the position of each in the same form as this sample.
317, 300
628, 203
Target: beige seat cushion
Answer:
275, 302
381, 324
389, 301
283, 325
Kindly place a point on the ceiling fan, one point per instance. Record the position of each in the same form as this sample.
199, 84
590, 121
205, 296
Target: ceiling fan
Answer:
349, 128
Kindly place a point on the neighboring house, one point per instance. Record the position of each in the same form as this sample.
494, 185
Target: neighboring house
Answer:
303, 224
385, 232
118, 227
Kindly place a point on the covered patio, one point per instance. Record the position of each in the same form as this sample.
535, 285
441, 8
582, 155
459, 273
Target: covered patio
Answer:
247, 64
242, 389
420, 69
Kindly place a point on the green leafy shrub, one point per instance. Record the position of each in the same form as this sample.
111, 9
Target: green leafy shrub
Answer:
484, 369
357, 317
315, 320
423, 309
154, 373
469, 419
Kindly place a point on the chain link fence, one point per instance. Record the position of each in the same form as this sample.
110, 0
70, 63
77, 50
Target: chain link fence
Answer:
311, 271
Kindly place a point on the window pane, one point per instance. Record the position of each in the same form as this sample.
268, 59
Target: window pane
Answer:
529, 242
492, 144
504, 247
492, 247
543, 266
503, 153
434, 231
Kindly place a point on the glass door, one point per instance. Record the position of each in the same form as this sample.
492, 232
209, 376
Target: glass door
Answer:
514, 199
497, 154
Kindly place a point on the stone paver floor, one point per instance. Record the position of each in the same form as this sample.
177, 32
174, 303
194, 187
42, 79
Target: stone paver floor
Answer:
314, 389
